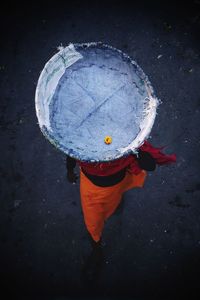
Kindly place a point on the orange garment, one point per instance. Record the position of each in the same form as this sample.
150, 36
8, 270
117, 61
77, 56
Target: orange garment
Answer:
99, 203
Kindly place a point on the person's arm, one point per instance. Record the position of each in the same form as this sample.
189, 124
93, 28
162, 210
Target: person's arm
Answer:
146, 161
70, 165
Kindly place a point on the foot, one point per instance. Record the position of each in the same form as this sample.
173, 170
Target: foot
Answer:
93, 265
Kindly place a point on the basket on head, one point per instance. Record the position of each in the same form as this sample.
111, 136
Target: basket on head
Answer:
94, 102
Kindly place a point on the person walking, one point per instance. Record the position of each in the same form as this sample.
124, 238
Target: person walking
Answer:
95, 104
102, 184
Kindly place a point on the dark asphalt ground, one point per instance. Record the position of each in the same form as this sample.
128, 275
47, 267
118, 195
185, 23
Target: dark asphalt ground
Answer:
152, 247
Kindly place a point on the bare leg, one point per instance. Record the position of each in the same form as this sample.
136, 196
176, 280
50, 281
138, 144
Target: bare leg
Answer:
93, 265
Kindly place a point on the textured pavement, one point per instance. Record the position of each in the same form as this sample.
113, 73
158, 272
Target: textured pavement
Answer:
152, 246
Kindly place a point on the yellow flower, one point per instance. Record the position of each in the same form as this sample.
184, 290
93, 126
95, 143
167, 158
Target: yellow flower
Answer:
108, 139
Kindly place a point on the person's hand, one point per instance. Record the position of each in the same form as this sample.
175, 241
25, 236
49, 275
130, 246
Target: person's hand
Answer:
72, 176
146, 161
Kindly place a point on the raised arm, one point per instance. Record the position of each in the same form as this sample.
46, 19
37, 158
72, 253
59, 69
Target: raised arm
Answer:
146, 161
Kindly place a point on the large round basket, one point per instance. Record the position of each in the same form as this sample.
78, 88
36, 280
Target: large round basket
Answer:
89, 92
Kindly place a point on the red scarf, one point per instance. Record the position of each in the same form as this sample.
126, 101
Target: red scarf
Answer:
130, 161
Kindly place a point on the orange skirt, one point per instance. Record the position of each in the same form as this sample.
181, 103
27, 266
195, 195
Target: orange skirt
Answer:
99, 203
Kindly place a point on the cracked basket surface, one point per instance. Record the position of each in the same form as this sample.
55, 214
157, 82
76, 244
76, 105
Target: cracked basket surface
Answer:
89, 91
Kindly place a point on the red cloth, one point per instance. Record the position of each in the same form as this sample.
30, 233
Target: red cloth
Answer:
130, 161
161, 158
